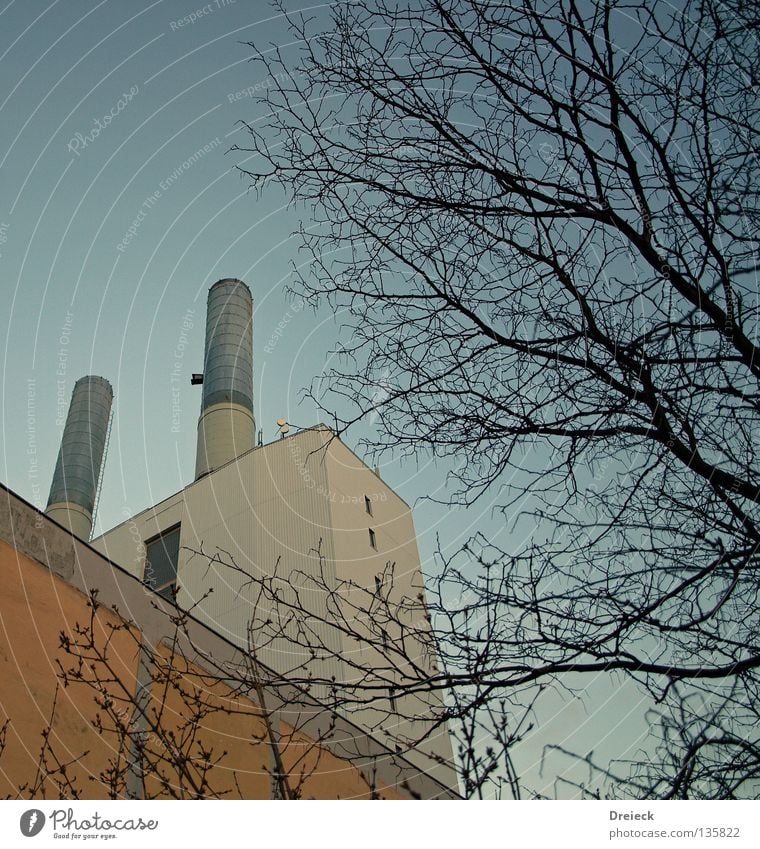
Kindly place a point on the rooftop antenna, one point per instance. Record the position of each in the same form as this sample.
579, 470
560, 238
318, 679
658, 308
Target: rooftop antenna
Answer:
284, 427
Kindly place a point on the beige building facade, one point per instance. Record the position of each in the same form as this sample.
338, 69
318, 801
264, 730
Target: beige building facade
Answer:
307, 510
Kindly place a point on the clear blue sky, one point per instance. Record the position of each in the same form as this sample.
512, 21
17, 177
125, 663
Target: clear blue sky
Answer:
118, 115
114, 228
73, 184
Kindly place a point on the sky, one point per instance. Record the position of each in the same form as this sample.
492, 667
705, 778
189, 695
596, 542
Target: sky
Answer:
120, 205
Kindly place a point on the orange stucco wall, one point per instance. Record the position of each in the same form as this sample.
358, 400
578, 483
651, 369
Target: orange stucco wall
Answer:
36, 608
232, 734
191, 712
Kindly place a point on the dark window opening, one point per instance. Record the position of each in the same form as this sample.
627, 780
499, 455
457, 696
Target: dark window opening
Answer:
367, 505
392, 698
161, 560
372, 538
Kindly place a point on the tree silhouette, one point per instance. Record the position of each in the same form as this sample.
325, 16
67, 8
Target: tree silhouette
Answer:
541, 221
178, 720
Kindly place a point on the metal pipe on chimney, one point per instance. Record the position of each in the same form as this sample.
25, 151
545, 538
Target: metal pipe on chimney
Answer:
226, 427
80, 457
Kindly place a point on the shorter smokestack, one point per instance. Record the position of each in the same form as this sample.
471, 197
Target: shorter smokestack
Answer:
226, 428
80, 458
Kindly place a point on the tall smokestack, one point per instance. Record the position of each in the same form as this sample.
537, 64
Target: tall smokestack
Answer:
80, 458
226, 428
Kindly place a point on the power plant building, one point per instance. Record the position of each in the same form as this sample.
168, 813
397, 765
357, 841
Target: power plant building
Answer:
303, 510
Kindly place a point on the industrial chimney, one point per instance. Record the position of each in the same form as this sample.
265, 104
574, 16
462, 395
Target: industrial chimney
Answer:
226, 428
80, 458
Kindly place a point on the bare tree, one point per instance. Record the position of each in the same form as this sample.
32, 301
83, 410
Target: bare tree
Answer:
398, 675
53, 775
163, 722
541, 220
173, 716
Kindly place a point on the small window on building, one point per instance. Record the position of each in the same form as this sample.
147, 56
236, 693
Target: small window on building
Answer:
372, 538
392, 698
378, 583
161, 559
367, 505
